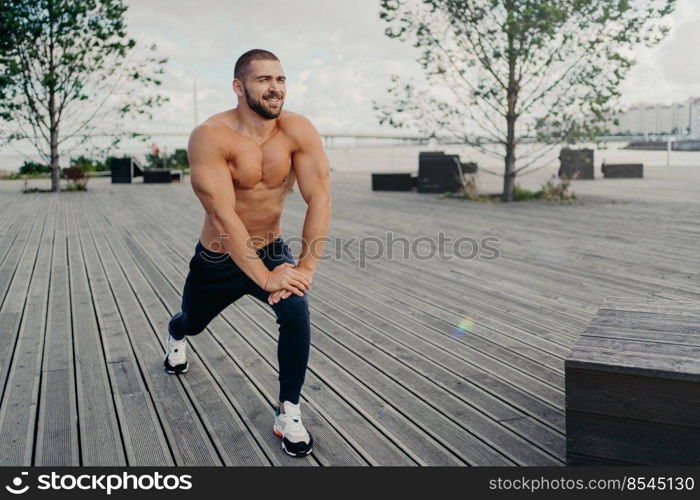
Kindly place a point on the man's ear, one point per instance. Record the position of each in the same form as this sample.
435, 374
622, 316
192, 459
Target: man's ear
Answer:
237, 87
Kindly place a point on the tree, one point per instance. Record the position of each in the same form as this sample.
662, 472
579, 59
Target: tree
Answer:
506, 71
68, 67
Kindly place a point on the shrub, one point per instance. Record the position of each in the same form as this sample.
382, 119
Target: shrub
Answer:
558, 190
88, 164
33, 168
522, 194
158, 159
75, 186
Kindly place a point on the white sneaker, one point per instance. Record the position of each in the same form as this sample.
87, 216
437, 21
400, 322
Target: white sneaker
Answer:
176, 359
296, 440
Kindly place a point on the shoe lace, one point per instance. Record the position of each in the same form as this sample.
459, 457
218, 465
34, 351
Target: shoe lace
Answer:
175, 345
295, 425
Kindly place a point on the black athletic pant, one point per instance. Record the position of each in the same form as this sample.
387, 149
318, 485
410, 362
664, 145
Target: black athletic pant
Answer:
215, 281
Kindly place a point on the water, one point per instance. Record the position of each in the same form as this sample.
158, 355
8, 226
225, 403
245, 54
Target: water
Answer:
347, 155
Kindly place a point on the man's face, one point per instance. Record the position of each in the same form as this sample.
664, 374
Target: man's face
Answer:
265, 88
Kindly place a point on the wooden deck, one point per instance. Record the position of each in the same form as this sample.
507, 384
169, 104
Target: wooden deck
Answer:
88, 282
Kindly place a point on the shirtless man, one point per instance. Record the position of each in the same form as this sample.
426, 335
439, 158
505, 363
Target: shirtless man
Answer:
244, 162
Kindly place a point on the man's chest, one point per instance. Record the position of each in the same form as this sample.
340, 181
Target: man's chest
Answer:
269, 163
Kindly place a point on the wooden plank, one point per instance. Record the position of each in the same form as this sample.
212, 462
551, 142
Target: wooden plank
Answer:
14, 247
677, 308
57, 428
11, 226
15, 276
100, 438
642, 398
23, 383
645, 335
605, 437
647, 321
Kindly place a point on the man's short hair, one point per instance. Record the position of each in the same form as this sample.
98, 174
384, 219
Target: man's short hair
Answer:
240, 71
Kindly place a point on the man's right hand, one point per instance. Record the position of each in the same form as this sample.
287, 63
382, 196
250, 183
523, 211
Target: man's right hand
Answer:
287, 277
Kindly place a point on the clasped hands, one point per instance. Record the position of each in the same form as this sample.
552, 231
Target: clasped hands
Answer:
286, 279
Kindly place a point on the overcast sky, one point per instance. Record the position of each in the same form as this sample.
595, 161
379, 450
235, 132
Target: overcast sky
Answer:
337, 58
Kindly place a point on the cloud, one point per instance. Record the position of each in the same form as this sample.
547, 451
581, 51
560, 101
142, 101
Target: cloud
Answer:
335, 54
669, 72
337, 57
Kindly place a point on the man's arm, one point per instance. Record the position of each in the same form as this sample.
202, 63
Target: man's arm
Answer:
212, 184
311, 168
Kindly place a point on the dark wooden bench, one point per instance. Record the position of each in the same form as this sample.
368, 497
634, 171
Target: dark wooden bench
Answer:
623, 170
633, 385
393, 181
161, 175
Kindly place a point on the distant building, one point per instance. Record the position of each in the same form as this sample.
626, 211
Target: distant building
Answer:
660, 119
695, 117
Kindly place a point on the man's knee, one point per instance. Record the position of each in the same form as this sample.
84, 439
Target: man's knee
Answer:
181, 324
294, 308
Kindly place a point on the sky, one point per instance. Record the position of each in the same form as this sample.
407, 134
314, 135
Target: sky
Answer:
337, 58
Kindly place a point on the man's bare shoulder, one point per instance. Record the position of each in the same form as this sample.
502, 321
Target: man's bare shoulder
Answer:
209, 131
209, 145
298, 127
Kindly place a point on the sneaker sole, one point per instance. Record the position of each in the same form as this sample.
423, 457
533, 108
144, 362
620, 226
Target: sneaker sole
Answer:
279, 434
178, 371
173, 372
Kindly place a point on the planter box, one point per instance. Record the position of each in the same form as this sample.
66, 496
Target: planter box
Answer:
392, 182
123, 170
633, 385
623, 170
574, 161
439, 173
157, 175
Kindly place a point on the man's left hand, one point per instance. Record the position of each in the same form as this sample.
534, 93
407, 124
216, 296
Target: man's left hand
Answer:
282, 294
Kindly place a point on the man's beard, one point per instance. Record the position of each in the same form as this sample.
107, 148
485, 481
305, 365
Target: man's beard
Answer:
257, 106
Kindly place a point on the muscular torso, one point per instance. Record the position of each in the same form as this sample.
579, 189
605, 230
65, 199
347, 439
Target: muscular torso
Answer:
262, 176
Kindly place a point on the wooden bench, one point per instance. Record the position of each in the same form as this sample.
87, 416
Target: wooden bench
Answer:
393, 181
160, 175
623, 170
633, 385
